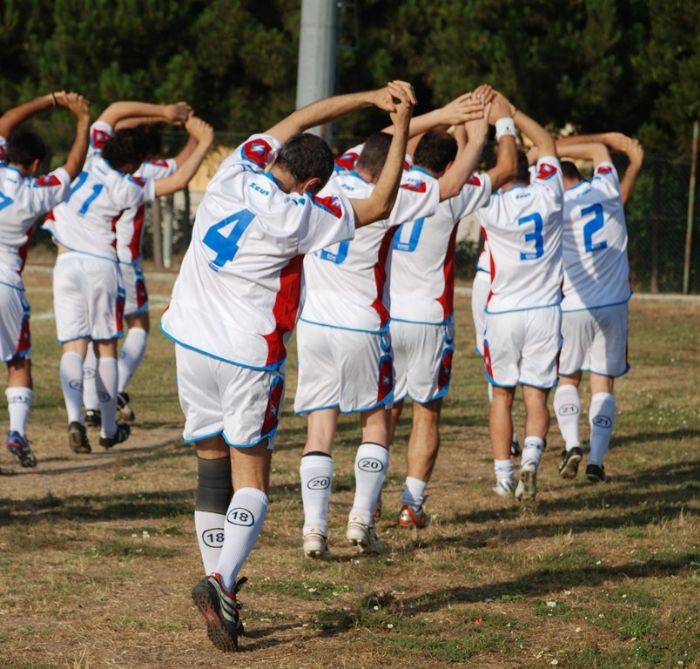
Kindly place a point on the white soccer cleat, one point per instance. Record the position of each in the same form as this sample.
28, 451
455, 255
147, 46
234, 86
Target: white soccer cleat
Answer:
364, 536
527, 485
504, 487
316, 546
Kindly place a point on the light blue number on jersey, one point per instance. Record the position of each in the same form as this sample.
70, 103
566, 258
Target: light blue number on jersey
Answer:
534, 236
226, 247
5, 201
592, 226
96, 190
77, 184
416, 227
339, 257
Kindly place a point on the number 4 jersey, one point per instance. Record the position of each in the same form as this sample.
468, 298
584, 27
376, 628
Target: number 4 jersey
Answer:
523, 227
596, 270
238, 291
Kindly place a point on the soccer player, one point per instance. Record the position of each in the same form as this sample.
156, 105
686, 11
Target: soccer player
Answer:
24, 197
522, 224
88, 296
421, 298
233, 306
344, 346
130, 231
596, 292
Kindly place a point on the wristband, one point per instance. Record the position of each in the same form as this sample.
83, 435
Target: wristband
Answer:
53, 97
505, 126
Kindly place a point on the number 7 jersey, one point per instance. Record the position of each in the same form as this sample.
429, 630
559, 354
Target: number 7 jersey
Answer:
523, 228
596, 269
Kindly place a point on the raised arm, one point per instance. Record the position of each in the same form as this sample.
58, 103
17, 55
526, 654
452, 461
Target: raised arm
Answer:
330, 109
13, 117
79, 106
203, 134
583, 150
118, 112
379, 204
540, 137
506, 166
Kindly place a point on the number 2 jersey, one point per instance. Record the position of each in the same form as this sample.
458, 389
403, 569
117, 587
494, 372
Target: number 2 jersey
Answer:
345, 283
596, 269
523, 228
237, 295
87, 220
421, 262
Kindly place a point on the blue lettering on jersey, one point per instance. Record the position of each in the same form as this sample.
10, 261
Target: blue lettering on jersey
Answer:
5, 201
226, 247
337, 257
255, 186
416, 227
533, 236
593, 226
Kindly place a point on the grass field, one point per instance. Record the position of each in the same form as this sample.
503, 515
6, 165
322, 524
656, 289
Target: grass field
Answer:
98, 553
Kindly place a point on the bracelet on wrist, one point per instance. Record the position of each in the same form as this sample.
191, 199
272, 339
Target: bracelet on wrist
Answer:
53, 98
505, 126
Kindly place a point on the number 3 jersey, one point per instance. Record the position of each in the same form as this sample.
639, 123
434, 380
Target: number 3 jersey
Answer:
523, 228
421, 262
237, 295
596, 269
344, 284
86, 221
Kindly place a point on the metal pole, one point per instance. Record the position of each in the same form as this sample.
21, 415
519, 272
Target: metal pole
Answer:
691, 210
156, 233
317, 45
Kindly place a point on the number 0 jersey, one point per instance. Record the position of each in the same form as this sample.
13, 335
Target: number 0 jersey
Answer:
345, 283
237, 295
86, 221
421, 261
596, 269
22, 200
130, 226
523, 227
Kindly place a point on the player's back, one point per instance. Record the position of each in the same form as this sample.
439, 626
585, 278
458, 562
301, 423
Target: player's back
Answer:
523, 228
596, 269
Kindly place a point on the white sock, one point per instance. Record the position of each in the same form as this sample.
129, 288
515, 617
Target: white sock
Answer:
602, 416
567, 406
316, 473
244, 521
90, 398
107, 394
414, 492
371, 466
19, 402
532, 452
131, 355
503, 469
71, 373
210, 536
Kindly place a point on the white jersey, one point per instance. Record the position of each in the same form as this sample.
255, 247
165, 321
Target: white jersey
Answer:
130, 226
347, 161
421, 261
596, 269
345, 283
237, 295
523, 226
86, 221
22, 201
483, 263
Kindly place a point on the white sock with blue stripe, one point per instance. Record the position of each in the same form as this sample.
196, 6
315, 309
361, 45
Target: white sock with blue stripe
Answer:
371, 466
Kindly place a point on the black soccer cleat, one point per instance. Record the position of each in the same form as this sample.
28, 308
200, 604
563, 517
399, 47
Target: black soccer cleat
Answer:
121, 435
569, 462
596, 474
77, 438
125, 414
220, 611
20, 448
93, 417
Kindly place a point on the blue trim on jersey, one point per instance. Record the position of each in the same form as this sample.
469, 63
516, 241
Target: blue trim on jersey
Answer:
389, 399
15, 169
21, 289
447, 321
355, 173
342, 327
194, 440
303, 412
267, 368
492, 381
580, 183
89, 338
270, 435
590, 371
439, 396
270, 176
56, 240
24, 355
602, 306
512, 311
137, 312
416, 168
481, 269
532, 385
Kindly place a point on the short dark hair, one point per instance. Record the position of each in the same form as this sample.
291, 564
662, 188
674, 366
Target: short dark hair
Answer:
570, 171
25, 147
435, 151
374, 153
125, 147
152, 138
304, 156
523, 173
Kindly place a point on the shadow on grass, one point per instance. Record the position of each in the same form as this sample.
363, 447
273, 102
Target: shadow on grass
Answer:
646, 437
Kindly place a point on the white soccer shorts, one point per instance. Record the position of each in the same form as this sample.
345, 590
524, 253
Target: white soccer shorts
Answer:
136, 300
88, 298
522, 347
422, 360
348, 369
595, 341
480, 293
15, 339
218, 398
